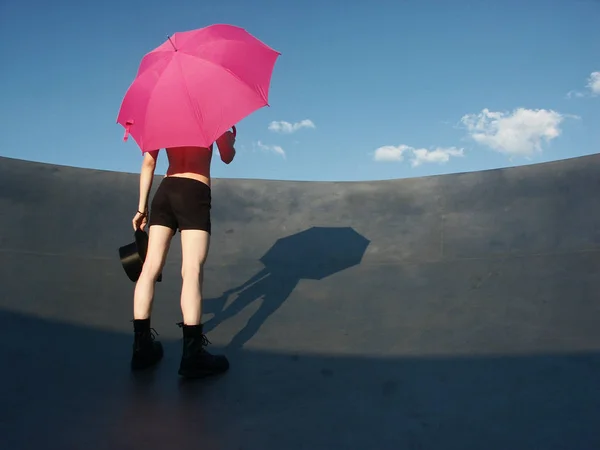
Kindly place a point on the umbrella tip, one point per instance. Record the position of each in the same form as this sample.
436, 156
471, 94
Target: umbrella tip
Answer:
169, 38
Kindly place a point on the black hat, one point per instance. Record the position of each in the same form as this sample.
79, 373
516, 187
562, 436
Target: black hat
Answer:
133, 255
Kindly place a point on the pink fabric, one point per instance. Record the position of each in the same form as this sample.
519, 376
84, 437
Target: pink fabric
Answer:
195, 86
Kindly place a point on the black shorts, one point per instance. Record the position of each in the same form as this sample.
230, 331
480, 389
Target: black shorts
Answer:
181, 203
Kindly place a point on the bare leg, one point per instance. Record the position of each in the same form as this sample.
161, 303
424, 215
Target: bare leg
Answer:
196, 361
194, 247
159, 240
147, 351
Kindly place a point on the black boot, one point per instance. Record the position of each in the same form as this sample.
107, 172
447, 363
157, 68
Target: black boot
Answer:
196, 362
146, 351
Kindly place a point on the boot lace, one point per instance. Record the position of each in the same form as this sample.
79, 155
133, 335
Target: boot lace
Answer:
150, 332
203, 338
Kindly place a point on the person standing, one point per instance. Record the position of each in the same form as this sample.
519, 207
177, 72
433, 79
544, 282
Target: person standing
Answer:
182, 202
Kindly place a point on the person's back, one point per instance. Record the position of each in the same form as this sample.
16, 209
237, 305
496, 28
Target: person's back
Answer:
190, 162
194, 162
182, 202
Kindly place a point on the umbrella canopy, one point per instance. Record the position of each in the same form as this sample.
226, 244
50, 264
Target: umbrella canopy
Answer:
195, 86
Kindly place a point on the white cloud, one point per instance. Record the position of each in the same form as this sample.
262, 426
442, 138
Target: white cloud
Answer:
271, 148
576, 94
439, 155
520, 133
594, 83
287, 127
390, 153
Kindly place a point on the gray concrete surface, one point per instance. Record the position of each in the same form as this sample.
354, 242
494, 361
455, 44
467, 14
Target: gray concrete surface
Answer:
448, 312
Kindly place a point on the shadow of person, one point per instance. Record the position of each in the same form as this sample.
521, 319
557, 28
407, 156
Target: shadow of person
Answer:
315, 253
272, 287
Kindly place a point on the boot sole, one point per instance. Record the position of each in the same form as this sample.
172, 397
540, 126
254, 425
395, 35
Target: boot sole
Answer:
137, 365
140, 364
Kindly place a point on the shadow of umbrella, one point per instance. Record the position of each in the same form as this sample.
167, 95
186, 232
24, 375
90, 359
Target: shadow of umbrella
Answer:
315, 253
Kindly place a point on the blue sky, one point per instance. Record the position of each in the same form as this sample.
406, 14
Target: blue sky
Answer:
382, 84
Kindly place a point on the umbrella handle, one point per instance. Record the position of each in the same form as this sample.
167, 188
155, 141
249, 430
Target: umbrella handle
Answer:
234, 130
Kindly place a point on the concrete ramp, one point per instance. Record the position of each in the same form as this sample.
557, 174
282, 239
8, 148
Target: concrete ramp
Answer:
439, 313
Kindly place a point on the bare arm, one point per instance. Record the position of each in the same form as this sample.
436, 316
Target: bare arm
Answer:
146, 177
226, 144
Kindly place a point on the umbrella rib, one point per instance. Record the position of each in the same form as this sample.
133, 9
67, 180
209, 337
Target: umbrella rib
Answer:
197, 113
147, 109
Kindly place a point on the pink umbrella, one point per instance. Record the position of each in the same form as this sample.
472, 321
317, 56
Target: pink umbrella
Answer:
196, 86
